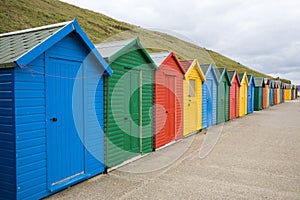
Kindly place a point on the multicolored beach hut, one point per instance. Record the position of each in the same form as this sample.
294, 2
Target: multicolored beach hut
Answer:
51, 126
128, 101
250, 90
234, 94
259, 93
223, 96
288, 92
168, 98
267, 92
243, 94
192, 96
209, 95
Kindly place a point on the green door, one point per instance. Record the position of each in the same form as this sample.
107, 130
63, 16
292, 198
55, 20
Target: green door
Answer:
226, 97
132, 112
221, 102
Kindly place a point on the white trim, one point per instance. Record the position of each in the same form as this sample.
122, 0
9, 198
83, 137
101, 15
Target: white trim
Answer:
35, 29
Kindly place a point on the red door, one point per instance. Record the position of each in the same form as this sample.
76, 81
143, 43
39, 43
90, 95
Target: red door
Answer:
232, 110
170, 108
275, 96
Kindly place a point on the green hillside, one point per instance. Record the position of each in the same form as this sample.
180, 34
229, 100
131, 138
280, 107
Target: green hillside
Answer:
22, 14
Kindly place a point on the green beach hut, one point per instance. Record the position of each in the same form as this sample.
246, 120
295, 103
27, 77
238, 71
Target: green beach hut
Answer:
128, 101
223, 96
258, 93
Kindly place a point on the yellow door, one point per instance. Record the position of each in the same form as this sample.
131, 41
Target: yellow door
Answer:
287, 94
267, 96
241, 100
246, 99
192, 103
278, 95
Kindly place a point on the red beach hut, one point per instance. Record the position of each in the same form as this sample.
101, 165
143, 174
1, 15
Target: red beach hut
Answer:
168, 98
233, 93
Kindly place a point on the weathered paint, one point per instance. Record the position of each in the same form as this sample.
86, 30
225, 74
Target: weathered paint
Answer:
250, 91
168, 98
192, 97
128, 101
234, 94
209, 90
223, 96
243, 94
47, 123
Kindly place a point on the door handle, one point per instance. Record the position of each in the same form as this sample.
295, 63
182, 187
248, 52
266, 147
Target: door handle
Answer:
125, 118
54, 119
167, 112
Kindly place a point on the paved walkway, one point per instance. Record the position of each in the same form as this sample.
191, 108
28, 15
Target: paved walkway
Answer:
255, 157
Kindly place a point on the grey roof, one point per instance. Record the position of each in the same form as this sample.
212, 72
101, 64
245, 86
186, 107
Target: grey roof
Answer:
186, 64
231, 74
219, 72
15, 44
249, 76
158, 58
204, 67
259, 81
241, 75
110, 48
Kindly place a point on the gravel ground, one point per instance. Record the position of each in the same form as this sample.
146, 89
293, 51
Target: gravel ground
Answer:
254, 157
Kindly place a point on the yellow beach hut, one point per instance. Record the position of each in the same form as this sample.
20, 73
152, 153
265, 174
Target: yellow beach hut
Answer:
267, 91
243, 94
192, 96
288, 92
278, 92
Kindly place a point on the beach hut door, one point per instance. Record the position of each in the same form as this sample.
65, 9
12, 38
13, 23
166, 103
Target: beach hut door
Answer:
65, 151
170, 107
132, 111
209, 102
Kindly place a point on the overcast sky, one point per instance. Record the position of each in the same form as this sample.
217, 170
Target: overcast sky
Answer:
261, 34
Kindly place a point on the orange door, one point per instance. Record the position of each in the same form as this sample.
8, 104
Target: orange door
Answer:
170, 107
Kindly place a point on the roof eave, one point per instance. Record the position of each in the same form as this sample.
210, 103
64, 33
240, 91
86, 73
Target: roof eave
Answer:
124, 49
48, 42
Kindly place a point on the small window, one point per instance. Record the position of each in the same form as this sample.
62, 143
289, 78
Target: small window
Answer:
192, 88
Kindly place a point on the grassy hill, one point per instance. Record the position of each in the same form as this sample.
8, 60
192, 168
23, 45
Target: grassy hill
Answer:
22, 14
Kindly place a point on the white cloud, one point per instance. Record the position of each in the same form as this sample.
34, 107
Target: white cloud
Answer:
263, 35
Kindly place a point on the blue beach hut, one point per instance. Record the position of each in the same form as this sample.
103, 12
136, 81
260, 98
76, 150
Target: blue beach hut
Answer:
209, 95
250, 90
51, 110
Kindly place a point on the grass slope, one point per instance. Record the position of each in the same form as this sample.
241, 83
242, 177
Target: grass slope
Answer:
22, 14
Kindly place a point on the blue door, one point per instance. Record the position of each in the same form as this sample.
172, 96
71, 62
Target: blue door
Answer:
204, 106
250, 96
209, 101
65, 150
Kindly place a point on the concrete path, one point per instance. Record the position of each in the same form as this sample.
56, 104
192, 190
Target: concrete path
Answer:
255, 157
